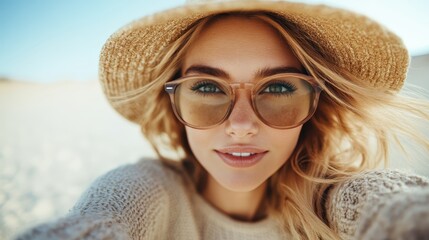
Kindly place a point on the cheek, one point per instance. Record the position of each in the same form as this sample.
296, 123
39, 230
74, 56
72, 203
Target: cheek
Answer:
199, 141
284, 142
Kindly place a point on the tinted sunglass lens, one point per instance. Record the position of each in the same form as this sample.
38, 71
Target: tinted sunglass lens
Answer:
284, 102
202, 102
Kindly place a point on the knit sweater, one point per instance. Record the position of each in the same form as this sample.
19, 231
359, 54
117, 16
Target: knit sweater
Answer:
150, 200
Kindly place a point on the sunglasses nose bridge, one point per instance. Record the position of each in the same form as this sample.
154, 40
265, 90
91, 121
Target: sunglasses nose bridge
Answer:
246, 89
242, 86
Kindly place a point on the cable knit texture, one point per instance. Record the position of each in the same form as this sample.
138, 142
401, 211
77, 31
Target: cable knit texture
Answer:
149, 200
373, 206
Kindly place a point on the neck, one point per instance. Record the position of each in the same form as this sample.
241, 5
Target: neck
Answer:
244, 206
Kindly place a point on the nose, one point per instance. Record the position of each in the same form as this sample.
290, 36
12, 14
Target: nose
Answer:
242, 121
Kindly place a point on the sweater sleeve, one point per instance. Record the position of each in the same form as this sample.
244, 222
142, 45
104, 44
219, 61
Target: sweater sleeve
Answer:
382, 204
126, 203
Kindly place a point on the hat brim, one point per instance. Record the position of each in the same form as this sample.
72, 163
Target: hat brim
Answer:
354, 42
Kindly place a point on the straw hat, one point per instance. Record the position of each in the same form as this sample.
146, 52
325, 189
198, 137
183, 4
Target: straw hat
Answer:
356, 43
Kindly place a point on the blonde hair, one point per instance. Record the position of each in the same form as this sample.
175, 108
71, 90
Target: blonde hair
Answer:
333, 145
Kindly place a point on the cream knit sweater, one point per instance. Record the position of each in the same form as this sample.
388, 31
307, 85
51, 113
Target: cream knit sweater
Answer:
149, 200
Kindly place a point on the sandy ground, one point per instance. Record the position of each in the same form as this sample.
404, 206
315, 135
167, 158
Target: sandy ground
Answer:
55, 139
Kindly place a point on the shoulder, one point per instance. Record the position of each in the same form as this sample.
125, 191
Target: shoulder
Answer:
144, 168
146, 183
348, 202
144, 171
371, 183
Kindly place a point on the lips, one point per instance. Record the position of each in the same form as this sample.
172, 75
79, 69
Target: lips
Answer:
241, 156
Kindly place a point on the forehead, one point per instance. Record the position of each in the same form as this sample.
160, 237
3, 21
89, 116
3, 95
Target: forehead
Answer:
240, 46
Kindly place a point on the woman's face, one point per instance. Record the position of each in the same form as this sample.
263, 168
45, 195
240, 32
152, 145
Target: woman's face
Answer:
241, 48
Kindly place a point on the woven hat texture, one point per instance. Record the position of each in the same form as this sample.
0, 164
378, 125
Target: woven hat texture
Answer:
363, 47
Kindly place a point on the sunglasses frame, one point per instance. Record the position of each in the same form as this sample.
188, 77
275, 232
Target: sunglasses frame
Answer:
170, 88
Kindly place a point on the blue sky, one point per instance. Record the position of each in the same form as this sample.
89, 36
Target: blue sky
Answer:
48, 40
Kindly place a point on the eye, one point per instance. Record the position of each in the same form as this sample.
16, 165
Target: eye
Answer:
280, 87
206, 87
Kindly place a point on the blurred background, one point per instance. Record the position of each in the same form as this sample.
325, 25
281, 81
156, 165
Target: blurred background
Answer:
57, 131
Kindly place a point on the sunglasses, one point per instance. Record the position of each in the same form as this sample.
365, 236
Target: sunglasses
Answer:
281, 101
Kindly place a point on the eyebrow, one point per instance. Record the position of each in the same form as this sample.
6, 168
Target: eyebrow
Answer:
261, 73
265, 72
207, 70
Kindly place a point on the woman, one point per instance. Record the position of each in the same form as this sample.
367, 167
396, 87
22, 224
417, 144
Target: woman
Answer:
267, 118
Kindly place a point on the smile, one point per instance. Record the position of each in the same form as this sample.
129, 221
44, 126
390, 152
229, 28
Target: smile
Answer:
241, 156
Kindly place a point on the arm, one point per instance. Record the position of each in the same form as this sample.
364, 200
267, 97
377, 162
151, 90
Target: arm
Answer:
128, 202
396, 216
77, 227
357, 207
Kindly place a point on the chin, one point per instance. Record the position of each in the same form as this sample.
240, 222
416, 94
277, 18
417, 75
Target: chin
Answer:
238, 183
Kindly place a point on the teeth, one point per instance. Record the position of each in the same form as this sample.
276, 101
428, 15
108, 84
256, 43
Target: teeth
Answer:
241, 154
